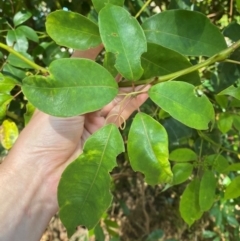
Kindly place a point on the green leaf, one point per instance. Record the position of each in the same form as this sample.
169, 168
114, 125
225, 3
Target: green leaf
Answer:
8, 133
74, 87
99, 4
232, 91
5, 99
72, 30
17, 62
125, 39
21, 17
28, 32
225, 122
207, 190
180, 101
233, 190
6, 83
29, 112
189, 203
109, 61
218, 162
233, 167
158, 61
187, 32
182, 4
148, 149
13, 72
99, 234
183, 155
181, 172
236, 122
232, 31
238, 5
83, 191
17, 40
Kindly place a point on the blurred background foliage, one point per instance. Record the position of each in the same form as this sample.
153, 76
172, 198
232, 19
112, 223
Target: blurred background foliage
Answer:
139, 211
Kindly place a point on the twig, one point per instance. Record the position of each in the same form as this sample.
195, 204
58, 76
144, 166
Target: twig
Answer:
221, 56
143, 8
20, 56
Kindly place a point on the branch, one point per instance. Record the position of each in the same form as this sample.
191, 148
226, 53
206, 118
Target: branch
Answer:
216, 58
31, 63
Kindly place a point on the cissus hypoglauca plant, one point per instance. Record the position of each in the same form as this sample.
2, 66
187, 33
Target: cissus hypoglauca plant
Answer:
154, 53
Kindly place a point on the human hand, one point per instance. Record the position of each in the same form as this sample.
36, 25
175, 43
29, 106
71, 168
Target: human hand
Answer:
48, 144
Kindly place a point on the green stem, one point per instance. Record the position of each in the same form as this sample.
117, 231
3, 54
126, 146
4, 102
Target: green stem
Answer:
232, 61
31, 63
205, 137
143, 8
216, 58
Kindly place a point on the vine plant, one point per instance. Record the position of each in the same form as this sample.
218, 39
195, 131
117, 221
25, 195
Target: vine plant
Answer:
154, 53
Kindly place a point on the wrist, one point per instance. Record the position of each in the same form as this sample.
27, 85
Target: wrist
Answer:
26, 206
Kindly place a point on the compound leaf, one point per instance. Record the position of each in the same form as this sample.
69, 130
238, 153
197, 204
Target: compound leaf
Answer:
72, 30
148, 149
187, 32
180, 101
74, 87
83, 191
124, 37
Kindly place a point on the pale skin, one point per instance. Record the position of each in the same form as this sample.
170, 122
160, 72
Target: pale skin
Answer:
30, 174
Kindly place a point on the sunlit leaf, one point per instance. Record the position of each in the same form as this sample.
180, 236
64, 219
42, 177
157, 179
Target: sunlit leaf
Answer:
125, 39
72, 30
207, 190
17, 40
29, 112
182, 155
148, 149
189, 203
75, 86
6, 83
83, 191
28, 32
21, 17
180, 101
233, 190
187, 32
8, 133
5, 100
